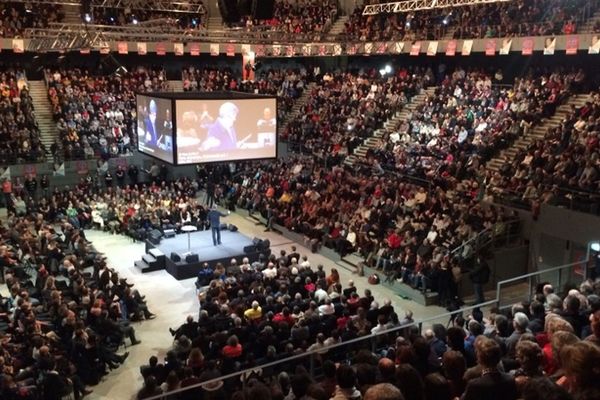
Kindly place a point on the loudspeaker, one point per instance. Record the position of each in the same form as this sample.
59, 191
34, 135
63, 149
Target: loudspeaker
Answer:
175, 257
262, 9
192, 258
232, 228
263, 245
229, 10
154, 236
250, 249
169, 233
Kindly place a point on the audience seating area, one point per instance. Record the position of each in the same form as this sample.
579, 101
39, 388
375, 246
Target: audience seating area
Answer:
565, 164
288, 85
345, 107
307, 18
16, 16
19, 134
503, 19
95, 113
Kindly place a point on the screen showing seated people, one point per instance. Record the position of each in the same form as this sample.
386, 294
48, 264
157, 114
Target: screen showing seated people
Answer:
225, 130
155, 127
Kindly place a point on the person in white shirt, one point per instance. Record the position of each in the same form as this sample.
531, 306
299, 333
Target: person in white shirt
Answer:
327, 308
320, 295
270, 272
380, 325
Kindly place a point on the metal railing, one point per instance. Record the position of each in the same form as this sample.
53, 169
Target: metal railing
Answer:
500, 233
377, 342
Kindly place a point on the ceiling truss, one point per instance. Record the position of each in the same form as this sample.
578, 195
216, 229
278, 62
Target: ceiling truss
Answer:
416, 5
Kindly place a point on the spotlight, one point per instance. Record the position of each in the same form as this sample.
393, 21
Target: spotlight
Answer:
388, 69
382, 71
445, 21
134, 20
112, 19
408, 24
595, 246
194, 22
87, 18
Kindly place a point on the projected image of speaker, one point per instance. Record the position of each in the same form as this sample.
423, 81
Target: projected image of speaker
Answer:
262, 9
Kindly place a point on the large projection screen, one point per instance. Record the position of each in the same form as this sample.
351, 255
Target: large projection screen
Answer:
155, 127
210, 130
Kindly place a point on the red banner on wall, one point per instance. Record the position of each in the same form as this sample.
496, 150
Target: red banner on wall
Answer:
161, 49
122, 48
490, 47
527, 47
572, 45
451, 48
415, 48
29, 170
195, 49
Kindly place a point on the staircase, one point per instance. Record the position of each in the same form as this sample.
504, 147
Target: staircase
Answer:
389, 126
588, 26
297, 107
43, 113
175, 86
215, 24
339, 26
537, 132
72, 14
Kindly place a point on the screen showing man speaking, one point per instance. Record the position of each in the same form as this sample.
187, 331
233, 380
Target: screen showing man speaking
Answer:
224, 130
155, 127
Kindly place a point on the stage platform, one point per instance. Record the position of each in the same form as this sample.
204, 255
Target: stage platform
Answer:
160, 256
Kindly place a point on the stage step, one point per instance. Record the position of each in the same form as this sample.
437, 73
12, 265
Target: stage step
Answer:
153, 260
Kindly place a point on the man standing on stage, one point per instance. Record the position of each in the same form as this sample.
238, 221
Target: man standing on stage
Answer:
214, 216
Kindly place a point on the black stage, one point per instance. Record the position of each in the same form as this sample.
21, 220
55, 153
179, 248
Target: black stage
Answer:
232, 246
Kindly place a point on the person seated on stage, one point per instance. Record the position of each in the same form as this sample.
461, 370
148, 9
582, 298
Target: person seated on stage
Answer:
188, 329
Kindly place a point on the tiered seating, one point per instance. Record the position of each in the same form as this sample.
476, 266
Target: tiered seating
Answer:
19, 135
467, 121
15, 17
564, 165
95, 114
346, 107
287, 84
515, 18
308, 18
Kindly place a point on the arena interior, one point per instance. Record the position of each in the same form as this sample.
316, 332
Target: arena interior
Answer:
300, 199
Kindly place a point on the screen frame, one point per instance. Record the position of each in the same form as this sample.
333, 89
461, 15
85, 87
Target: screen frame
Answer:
174, 139
221, 97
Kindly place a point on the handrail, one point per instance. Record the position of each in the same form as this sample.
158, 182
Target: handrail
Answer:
480, 235
419, 324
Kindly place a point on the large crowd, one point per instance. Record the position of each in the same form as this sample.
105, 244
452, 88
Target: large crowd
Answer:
502, 19
286, 84
307, 18
345, 107
19, 134
567, 159
96, 113
17, 16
